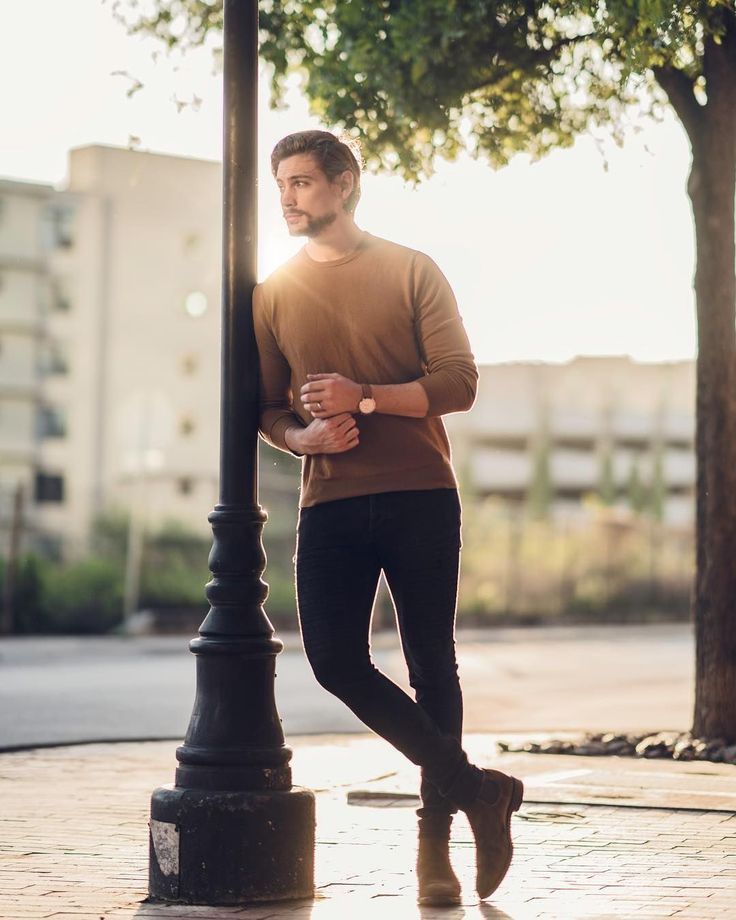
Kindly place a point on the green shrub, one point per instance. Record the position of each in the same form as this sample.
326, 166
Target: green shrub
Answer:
602, 563
28, 593
280, 604
174, 570
109, 535
171, 582
82, 597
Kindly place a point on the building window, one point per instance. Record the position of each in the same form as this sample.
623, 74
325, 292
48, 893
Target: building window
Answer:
185, 485
61, 300
62, 227
49, 488
571, 493
52, 422
195, 303
582, 444
516, 443
186, 426
191, 243
189, 364
53, 359
632, 442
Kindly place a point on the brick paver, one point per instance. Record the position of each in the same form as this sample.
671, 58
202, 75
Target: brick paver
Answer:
74, 847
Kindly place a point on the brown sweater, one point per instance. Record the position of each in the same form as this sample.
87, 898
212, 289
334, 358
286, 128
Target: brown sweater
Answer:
383, 314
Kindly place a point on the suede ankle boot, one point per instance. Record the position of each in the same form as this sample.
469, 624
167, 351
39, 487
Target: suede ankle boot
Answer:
437, 883
489, 816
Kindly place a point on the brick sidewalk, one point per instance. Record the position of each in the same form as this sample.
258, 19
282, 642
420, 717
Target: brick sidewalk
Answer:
74, 846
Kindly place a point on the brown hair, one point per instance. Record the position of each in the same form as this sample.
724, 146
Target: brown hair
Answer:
333, 157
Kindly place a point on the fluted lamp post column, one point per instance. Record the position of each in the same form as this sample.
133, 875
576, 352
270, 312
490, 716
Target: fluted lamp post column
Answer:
233, 829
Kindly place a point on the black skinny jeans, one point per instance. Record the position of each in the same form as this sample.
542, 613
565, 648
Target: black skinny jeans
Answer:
414, 537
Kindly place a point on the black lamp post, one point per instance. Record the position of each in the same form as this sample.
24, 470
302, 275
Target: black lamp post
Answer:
233, 829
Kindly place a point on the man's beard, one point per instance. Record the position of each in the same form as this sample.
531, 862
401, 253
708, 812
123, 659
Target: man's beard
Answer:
315, 225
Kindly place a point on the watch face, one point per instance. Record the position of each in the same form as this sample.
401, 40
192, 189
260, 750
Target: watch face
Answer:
367, 406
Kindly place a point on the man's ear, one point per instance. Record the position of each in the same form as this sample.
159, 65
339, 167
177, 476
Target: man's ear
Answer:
347, 184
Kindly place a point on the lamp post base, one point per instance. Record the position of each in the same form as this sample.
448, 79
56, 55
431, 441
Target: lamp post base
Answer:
217, 847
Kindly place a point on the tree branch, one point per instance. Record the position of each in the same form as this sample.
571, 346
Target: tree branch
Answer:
679, 88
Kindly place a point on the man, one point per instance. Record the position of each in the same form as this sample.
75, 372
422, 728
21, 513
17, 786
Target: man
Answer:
362, 351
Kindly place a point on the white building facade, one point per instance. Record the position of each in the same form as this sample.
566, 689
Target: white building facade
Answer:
110, 325
605, 426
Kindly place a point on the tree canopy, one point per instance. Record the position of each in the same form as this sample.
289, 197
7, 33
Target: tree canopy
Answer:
417, 78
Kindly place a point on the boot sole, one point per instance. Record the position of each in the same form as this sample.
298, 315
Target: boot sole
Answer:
440, 901
517, 796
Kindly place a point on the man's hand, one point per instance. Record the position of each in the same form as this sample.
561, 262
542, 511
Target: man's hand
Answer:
327, 395
332, 435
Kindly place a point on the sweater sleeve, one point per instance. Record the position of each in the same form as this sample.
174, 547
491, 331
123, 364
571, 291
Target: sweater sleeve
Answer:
277, 413
451, 377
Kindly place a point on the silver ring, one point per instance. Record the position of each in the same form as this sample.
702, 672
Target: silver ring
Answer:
319, 406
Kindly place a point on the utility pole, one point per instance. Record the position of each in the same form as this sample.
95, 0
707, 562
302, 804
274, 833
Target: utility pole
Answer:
7, 622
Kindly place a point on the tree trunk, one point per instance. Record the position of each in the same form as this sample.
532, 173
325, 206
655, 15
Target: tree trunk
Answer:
712, 187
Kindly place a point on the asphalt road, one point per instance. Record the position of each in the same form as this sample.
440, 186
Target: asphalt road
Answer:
534, 679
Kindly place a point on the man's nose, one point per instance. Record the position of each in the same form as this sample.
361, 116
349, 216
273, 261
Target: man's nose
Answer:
288, 199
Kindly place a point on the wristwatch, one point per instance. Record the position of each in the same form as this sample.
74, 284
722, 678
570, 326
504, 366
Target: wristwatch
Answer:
367, 404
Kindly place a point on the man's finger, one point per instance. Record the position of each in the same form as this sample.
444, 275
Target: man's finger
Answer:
321, 376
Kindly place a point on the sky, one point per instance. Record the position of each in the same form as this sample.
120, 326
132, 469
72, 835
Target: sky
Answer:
589, 251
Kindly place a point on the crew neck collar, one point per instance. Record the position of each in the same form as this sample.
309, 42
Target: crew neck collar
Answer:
348, 257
